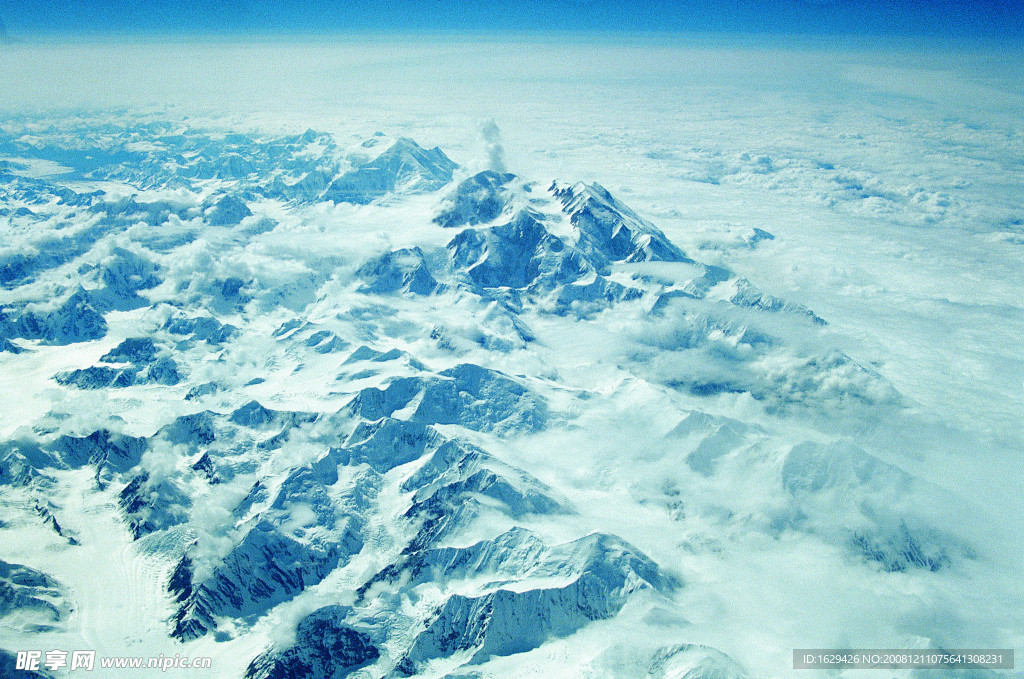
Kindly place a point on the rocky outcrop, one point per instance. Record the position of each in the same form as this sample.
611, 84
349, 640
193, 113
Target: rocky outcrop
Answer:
476, 200
599, 572
76, 320
475, 397
398, 271
608, 231
30, 600
403, 168
263, 570
519, 254
325, 648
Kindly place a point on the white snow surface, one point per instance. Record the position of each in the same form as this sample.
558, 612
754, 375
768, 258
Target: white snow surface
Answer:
766, 481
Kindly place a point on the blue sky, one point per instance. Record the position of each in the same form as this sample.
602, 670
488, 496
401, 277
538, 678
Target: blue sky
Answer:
951, 18
957, 18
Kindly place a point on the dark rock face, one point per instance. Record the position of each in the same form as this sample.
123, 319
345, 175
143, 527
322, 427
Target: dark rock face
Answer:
399, 270
365, 353
163, 370
386, 443
18, 469
195, 429
600, 570
8, 660
476, 200
128, 210
902, 549
101, 448
585, 298
141, 350
308, 188
201, 328
205, 466
200, 390
453, 479
508, 622
326, 342
97, 377
32, 596
404, 167
758, 235
255, 416
467, 394
10, 347
524, 257
519, 254
608, 231
124, 277
324, 647
150, 506
73, 198
228, 211
75, 321
274, 556
265, 569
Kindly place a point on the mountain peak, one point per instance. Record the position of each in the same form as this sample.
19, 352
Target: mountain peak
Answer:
405, 167
609, 231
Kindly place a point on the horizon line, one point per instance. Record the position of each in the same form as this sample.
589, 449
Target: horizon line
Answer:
663, 37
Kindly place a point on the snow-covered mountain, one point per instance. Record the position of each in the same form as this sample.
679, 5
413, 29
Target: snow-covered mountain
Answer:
506, 437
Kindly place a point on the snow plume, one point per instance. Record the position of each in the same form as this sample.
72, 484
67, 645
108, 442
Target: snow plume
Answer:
297, 451
162, 460
490, 135
214, 522
289, 615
